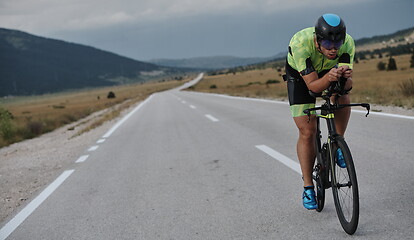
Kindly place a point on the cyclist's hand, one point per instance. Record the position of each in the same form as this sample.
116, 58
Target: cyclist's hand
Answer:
346, 72
334, 74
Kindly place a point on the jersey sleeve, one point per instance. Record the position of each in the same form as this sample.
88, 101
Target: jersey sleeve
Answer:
301, 58
347, 57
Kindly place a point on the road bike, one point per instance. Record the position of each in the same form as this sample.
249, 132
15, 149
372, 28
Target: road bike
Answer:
327, 173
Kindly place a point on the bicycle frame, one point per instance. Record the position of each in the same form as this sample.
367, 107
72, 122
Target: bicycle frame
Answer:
344, 189
328, 113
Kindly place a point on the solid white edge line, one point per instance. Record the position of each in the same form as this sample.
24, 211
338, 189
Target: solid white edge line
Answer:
242, 98
211, 118
281, 158
82, 159
120, 122
31, 207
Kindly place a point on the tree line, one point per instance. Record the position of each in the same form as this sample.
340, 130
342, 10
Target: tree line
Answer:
387, 51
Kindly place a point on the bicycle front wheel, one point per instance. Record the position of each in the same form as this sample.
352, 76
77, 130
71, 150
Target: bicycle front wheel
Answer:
345, 187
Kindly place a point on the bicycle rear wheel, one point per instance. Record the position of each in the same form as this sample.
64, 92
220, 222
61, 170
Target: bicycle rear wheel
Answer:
345, 188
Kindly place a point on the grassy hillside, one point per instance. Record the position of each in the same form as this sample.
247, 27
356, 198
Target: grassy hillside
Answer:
370, 84
390, 40
33, 65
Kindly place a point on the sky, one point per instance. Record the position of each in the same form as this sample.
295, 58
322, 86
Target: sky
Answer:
176, 29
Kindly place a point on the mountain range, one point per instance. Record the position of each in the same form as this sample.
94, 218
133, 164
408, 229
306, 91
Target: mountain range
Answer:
215, 62
33, 65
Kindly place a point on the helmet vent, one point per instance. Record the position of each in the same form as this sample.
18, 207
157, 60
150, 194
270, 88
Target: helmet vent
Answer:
332, 19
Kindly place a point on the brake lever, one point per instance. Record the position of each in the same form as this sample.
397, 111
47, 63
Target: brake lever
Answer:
368, 107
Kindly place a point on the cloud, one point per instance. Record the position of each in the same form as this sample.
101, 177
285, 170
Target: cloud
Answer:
43, 16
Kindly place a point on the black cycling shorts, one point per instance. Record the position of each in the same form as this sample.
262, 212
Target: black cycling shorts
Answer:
298, 92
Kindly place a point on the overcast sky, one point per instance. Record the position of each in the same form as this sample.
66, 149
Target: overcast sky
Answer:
150, 29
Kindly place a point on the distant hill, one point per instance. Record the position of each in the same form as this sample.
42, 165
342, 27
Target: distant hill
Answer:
402, 36
210, 63
35, 65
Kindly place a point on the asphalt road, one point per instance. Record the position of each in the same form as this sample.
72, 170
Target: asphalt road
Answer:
188, 165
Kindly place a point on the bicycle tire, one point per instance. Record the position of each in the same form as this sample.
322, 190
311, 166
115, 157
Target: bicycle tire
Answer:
319, 170
345, 188
320, 188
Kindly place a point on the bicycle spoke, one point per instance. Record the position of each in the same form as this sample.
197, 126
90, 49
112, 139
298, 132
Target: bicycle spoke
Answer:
345, 199
345, 196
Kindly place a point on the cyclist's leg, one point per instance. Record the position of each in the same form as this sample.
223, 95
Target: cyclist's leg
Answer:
342, 116
306, 146
299, 100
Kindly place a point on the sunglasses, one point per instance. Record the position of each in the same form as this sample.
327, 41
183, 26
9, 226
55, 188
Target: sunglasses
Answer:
329, 45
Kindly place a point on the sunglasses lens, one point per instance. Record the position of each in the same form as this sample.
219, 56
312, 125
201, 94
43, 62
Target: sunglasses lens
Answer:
329, 44
337, 45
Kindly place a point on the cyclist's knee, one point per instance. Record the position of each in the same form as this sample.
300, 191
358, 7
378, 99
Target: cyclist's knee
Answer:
306, 127
307, 133
344, 99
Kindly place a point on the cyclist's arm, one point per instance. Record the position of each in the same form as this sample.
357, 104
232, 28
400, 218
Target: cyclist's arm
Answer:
346, 61
316, 84
347, 73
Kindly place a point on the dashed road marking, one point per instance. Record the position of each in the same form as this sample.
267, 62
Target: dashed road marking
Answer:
211, 118
93, 148
281, 158
82, 159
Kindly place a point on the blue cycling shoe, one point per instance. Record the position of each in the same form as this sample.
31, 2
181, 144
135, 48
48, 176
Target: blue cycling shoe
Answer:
340, 160
309, 200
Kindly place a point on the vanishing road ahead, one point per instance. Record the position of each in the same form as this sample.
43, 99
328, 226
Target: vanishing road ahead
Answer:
189, 165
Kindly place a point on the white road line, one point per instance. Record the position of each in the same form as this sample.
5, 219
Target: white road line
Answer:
286, 103
29, 209
242, 98
183, 102
192, 106
93, 148
82, 159
281, 158
211, 118
102, 140
118, 124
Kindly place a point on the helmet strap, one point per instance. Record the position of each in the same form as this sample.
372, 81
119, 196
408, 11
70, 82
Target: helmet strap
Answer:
319, 45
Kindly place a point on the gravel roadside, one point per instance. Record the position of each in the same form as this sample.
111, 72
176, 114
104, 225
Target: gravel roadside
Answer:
29, 166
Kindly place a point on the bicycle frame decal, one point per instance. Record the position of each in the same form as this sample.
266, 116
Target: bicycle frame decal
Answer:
328, 116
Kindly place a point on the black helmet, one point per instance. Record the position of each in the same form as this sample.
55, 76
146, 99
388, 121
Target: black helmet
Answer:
330, 27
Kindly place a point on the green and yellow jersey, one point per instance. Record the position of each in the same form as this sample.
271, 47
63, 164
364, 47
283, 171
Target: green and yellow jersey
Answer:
303, 52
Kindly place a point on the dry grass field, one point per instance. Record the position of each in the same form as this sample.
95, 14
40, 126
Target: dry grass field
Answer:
247, 84
370, 84
35, 115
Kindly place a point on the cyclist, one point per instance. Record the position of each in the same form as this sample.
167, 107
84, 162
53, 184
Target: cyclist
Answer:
317, 57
